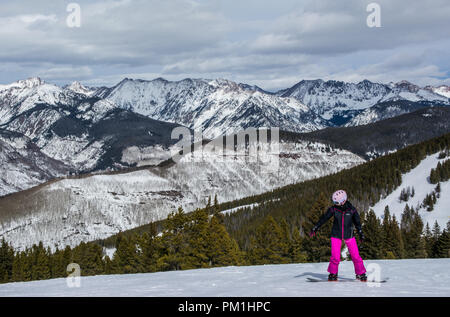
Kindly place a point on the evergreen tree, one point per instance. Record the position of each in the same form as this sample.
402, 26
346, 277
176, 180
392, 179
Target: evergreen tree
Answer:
197, 238
18, 274
41, 268
429, 240
6, 261
442, 249
412, 228
89, 256
371, 248
297, 254
126, 259
217, 212
318, 247
222, 249
150, 245
398, 248
386, 238
173, 242
268, 244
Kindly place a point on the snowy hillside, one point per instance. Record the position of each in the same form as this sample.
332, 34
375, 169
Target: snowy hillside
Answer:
430, 278
23, 165
442, 90
418, 178
386, 110
69, 211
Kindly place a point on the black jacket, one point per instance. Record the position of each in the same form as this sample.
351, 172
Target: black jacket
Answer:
346, 218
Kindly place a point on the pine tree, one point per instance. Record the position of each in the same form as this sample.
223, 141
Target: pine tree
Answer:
6, 261
150, 245
429, 240
18, 267
443, 245
216, 210
127, 258
197, 238
268, 245
412, 228
318, 247
371, 248
222, 249
297, 254
41, 269
386, 227
396, 238
173, 242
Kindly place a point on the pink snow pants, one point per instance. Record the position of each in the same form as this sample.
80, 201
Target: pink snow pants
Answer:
336, 255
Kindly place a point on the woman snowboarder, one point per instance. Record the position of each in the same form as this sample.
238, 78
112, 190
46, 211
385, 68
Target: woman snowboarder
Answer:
345, 216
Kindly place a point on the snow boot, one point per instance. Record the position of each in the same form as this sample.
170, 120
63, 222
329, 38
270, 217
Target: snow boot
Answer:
332, 277
361, 277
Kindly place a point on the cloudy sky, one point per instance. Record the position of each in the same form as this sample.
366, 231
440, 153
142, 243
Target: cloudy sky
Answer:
273, 44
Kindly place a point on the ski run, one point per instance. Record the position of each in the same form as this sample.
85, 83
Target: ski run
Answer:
411, 277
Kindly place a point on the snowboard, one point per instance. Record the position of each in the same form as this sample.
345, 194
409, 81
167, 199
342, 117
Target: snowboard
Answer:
311, 279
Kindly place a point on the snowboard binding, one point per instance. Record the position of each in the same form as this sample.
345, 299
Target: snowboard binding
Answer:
361, 277
332, 277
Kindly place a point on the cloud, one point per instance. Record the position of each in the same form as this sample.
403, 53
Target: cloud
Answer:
66, 73
272, 44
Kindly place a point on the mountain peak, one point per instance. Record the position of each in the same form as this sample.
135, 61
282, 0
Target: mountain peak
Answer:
31, 82
404, 84
77, 87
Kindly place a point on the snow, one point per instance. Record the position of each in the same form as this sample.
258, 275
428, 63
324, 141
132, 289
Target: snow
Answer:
232, 210
430, 278
418, 178
442, 90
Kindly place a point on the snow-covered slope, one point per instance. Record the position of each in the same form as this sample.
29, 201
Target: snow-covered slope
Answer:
441, 90
430, 278
418, 178
216, 106
385, 110
23, 165
69, 211
340, 101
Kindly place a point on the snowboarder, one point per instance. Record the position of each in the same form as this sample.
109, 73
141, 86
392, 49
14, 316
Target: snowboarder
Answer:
345, 216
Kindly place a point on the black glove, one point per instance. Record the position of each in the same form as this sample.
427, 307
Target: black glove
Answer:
361, 237
313, 232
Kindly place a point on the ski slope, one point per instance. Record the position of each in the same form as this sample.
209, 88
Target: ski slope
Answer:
418, 178
415, 277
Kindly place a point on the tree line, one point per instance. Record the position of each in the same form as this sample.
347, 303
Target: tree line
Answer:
200, 240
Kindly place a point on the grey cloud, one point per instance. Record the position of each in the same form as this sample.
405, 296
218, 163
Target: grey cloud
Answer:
269, 43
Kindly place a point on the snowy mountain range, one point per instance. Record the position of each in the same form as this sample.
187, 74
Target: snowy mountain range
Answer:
217, 107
